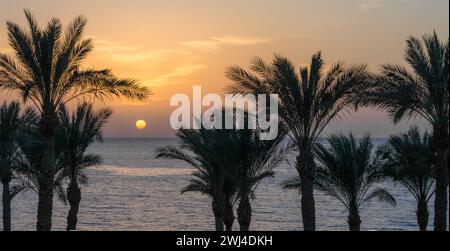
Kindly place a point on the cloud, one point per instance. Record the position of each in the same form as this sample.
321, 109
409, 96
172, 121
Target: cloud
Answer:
130, 53
167, 63
214, 43
111, 46
370, 5
182, 70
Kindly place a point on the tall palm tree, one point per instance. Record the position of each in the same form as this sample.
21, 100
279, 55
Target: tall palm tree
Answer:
348, 172
409, 161
307, 101
202, 150
78, 132
46, 71
423, 92
12, 124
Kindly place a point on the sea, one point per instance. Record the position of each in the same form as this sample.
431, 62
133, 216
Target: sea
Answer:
134, 191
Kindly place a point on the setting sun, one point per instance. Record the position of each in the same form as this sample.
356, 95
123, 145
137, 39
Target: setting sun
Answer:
140, 124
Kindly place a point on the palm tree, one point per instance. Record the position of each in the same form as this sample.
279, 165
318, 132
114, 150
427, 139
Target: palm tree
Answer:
230, 164
423, 92
78, 132
230, 199
74, 134
12, 124
46, 71
253, 161
202, 150
409, 161
307, 103
28, 162
347, 172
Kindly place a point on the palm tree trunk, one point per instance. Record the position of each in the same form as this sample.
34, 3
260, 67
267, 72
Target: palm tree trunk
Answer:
74, 198
228, 218
422, 214
46, 175
6, 207
305, 167
218, 215
244, 213
354, 221
440, 138
448, 180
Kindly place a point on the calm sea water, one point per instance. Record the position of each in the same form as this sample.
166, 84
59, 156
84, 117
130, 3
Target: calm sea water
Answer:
135, 191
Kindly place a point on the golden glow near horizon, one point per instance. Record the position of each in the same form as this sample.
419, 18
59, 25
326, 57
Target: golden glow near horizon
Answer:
171, 46
141, 124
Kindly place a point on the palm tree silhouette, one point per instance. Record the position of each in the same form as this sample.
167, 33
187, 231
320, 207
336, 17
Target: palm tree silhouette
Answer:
78, 131
12, 124
347, 172
409, 161
230, 165
202, 149
28, 162
253, 161
230, 199
46, 71
307, 103
73, 135
424, 93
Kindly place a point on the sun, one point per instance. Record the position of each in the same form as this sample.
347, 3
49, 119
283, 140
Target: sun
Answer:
140, 124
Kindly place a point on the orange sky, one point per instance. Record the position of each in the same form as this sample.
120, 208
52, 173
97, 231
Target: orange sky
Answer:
172, 45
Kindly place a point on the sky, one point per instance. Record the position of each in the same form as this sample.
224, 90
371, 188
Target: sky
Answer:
171, 46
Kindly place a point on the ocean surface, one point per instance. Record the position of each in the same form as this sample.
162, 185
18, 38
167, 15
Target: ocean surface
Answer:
134, 191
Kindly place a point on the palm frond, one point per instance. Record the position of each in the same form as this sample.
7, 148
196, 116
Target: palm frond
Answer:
382, 195
292, 183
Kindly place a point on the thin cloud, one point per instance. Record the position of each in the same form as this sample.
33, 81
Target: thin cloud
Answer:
370, 5
214, 43
130, 53
111, 46
183, 70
